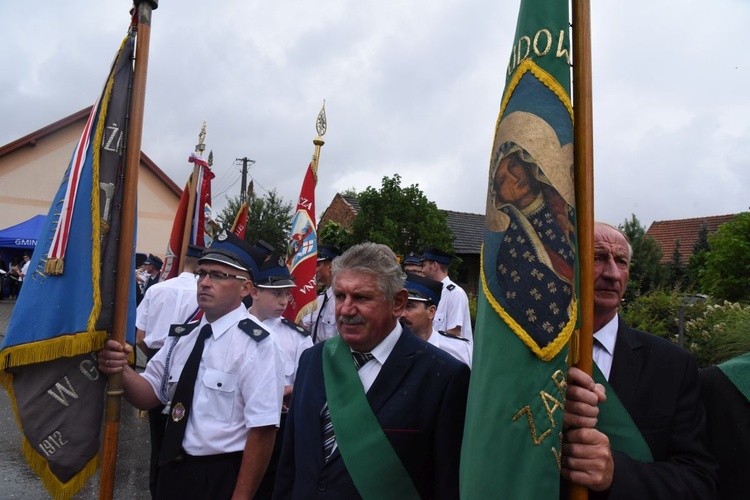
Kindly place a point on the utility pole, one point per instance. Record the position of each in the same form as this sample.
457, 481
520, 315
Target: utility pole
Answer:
245, 161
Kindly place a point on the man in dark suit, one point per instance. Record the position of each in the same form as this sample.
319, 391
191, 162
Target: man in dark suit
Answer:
657, 383
725, 391
395, 402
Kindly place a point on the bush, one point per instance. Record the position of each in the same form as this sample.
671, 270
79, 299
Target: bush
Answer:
473, 310
722, 332
657, 312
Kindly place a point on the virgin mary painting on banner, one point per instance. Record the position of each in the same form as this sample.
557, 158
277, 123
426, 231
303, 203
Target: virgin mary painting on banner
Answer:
530, 212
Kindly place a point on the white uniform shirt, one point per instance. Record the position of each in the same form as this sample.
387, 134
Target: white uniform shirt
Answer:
459, 349
291, 343
327, 323
164, 304
453, 310
240, 384
25, 268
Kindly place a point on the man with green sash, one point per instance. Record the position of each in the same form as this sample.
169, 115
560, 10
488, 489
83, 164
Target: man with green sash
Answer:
376, 412
649, 386
725, 391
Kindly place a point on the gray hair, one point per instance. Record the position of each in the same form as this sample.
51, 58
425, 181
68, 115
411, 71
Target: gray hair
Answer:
377, 260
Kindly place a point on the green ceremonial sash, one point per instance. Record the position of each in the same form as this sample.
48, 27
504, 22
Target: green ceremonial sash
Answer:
618, 425
372, 463
738, 371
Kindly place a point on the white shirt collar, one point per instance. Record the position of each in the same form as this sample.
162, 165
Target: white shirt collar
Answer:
223, 324
384, 348
607, 335
434, 338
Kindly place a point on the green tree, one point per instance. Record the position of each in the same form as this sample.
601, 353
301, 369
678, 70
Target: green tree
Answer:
402, 218
333, 233
675, 273
646, 272
269, 219
727, 269
697, 261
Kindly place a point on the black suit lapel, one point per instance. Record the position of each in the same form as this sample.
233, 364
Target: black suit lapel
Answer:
626, 364
394, 370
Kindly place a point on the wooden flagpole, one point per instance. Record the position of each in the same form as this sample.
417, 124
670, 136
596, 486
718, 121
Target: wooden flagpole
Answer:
583, 138
125, 245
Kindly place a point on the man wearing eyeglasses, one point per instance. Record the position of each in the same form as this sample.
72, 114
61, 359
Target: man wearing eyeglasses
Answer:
164, 304
221, 379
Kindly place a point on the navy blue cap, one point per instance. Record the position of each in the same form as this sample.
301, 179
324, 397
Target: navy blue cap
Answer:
228, 249
154, 261
194, 251
412, 260
327, 252
274, 274
437, 255
265, 248
423, 289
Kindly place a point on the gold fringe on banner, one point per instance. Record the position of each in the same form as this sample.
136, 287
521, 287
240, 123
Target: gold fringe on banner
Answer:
64, 346
54, 267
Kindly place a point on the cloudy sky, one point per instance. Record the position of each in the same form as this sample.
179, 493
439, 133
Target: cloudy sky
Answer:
411, 87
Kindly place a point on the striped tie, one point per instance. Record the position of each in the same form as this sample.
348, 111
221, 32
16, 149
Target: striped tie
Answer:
329, 438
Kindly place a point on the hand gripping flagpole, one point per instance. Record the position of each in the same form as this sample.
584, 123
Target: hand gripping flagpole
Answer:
583, 138
125, 247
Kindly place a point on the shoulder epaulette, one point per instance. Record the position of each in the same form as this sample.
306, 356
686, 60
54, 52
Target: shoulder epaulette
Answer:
451, 287
302, 331
451, 336
253, 329
182, 329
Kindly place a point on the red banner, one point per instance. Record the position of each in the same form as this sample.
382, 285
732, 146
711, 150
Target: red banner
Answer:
200, 233
174, 247
302, 251
240, 222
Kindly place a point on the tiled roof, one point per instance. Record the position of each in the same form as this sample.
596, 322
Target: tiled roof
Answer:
468, 231
666, 232
353, 201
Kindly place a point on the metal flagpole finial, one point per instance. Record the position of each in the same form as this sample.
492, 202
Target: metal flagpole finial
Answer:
201, 146
321, 125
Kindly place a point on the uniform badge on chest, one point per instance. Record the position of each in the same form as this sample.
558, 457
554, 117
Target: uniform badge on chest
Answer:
178, 412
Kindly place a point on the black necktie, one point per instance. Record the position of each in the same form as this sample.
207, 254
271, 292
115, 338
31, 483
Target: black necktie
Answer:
329, 438
182, 401
317, 320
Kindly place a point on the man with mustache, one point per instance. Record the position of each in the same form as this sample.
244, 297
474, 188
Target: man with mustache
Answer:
376, 412
657, 384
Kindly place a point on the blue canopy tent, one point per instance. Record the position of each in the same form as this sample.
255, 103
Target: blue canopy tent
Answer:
23, 236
